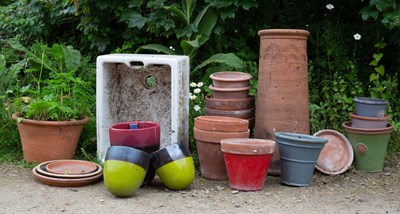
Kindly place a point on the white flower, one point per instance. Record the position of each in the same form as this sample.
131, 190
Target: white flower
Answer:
329, 7
199, 84
196, 108
197, 90
192, 97
357, 36
193, 84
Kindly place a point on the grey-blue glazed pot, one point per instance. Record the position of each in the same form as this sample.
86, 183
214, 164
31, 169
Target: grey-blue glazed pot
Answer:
370, 107
298, 155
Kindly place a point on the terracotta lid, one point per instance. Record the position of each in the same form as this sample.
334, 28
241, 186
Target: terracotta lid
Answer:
247, 146
337, 155
221, 124
216, 137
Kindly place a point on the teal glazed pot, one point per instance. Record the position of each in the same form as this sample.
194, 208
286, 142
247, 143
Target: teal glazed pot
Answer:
298, 156
174, 166
369, 145
145, 136
124, 170
370, 107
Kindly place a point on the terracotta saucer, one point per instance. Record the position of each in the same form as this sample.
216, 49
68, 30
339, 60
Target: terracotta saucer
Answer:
337, 155
71, 167
42, 169
66, 182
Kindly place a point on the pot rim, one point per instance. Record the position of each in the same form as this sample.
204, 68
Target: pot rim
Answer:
229, 89
304, 138
212, 98
242, 111
222, 135
153, 125
238, 76
371, 101
353, 115
82, 121
284, 33
348, 128
247, 146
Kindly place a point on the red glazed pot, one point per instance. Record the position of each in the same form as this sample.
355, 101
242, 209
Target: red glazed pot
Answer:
146, 138
221, 124
230, 79
369, 122
230, 93
247, 162
229, 104
245, 114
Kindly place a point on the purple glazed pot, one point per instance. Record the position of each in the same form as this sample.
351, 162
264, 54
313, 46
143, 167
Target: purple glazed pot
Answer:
145, 137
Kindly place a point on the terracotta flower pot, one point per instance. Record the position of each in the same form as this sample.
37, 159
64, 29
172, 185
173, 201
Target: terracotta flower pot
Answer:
247, 161
369, 122
174, 166
221, 124
49, 140
229, 104
370, 107
146, 137
282, 97
212, 164
245, 113
230, 93
124, 170
230, 79
369, 145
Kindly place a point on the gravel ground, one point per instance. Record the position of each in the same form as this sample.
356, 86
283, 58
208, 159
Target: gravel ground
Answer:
351, 192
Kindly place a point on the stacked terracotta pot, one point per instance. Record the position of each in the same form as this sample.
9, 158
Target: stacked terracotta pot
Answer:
208, 132
230, 96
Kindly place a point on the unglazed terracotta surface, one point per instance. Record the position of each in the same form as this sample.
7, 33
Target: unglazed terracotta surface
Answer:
49, 140
230, 79
216, 137
282, 97
247, 146
221, 124
229, 104
230, 93
71, 167
41, 169
211, 158
337, 155
245, 113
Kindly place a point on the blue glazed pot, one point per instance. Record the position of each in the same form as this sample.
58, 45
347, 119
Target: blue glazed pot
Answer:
298, 155
370, 107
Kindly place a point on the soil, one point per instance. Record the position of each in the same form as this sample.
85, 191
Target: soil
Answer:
351, 192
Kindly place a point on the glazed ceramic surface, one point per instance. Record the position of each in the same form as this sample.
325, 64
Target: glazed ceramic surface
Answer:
358, 121
230, 79
369, 145
370, 107
229, 104
124, 170
298, 154
145, 137
282, 96
178, 174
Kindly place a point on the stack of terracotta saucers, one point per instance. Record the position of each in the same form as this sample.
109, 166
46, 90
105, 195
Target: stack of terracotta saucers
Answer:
230, 96
68, 173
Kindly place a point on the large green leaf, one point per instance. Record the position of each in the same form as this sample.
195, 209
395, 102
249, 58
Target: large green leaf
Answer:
377, 56
178, 13
72, 58
229, 59
206, 25
156, 47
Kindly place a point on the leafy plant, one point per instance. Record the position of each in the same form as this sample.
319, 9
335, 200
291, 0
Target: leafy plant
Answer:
50, 89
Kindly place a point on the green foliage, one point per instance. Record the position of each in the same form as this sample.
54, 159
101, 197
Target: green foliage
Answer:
49, 88
385, 11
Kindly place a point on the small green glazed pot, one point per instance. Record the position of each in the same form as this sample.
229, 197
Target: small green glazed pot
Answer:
124, 170
174, 165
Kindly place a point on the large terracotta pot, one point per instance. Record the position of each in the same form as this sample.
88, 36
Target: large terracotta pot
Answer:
282, 95
49, 140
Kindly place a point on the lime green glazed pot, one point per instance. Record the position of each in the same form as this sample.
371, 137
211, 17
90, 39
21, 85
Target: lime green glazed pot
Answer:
174, 166
124, 170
